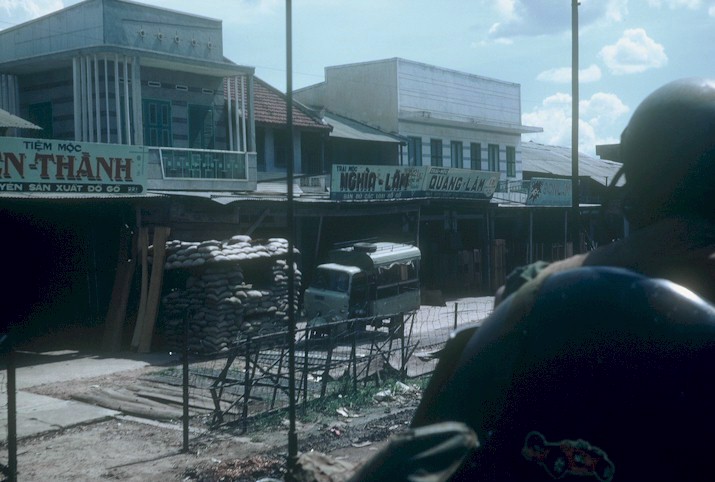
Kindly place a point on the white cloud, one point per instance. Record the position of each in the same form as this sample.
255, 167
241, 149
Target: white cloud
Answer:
546, 17
505, 8
674, 4
504, 41
711, 11
633, 53
18, 11
562, 75
598, 117
602, 109
616, 10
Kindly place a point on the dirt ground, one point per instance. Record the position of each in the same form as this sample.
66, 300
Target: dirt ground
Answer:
130, 448
135, 449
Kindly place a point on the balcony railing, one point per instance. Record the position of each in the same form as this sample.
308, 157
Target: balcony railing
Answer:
178, 163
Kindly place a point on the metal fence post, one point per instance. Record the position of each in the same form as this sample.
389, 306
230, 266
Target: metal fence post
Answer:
185, 383
11, 417
247, 380
353, 358
456, 310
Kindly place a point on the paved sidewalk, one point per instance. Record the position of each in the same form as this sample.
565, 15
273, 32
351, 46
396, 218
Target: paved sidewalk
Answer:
37, 414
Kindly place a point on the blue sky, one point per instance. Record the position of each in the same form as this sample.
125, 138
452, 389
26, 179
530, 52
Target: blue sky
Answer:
627, 48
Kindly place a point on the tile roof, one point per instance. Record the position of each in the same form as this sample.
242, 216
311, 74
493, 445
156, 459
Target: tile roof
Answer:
270, 107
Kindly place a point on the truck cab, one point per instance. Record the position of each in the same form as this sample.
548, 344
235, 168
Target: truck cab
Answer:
378, 280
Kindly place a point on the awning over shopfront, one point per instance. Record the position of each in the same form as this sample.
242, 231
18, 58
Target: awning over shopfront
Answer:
8, 120
345, 128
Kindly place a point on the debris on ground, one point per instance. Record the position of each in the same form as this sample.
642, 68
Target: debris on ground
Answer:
344, 412
400, 394
239, 470
319, 467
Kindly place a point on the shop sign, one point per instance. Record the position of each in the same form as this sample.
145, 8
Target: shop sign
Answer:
58, 166
460, 183
549, 192
362, 182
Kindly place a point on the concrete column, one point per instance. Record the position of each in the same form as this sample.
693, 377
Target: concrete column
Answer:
127, 120
4, 93
83, 97
229, 103
117, 100
97, 107
106, 99
77, 98
243, 114
137, 102
88, 98
251, 146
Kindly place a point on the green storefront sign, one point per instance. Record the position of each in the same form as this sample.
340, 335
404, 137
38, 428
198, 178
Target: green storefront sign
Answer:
58, 166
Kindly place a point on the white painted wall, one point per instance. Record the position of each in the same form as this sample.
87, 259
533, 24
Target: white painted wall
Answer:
413, 99
366, 92
425, 90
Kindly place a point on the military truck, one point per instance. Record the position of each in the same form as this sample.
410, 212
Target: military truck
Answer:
369, 282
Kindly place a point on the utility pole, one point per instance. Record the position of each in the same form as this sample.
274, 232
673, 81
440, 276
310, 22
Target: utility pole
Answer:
575, 223
290, 217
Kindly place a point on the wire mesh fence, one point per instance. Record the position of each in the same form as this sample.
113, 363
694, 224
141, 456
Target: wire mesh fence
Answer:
234, 386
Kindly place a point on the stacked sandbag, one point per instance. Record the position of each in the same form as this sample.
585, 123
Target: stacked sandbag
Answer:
266, 310
187, 255
220, 303
280, 287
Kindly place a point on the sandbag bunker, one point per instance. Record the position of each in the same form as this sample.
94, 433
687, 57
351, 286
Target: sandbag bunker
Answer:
227, 289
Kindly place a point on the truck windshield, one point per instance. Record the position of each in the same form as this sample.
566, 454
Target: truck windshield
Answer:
327, 279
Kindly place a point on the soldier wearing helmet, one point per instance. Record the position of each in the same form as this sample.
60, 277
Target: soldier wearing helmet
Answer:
668, 155
590, 371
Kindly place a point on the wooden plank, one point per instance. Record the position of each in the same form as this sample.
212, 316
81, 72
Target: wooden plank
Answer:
117, 312
130, 407
161, 234
141, 312
173, 391
172, 400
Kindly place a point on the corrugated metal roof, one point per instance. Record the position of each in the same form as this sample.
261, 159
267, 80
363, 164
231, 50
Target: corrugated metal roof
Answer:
556, 160
345, 128
10, 120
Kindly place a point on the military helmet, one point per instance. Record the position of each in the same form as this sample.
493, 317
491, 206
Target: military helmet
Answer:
668, 152
605, 376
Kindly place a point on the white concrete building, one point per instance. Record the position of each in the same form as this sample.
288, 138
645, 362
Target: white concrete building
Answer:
450, 118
